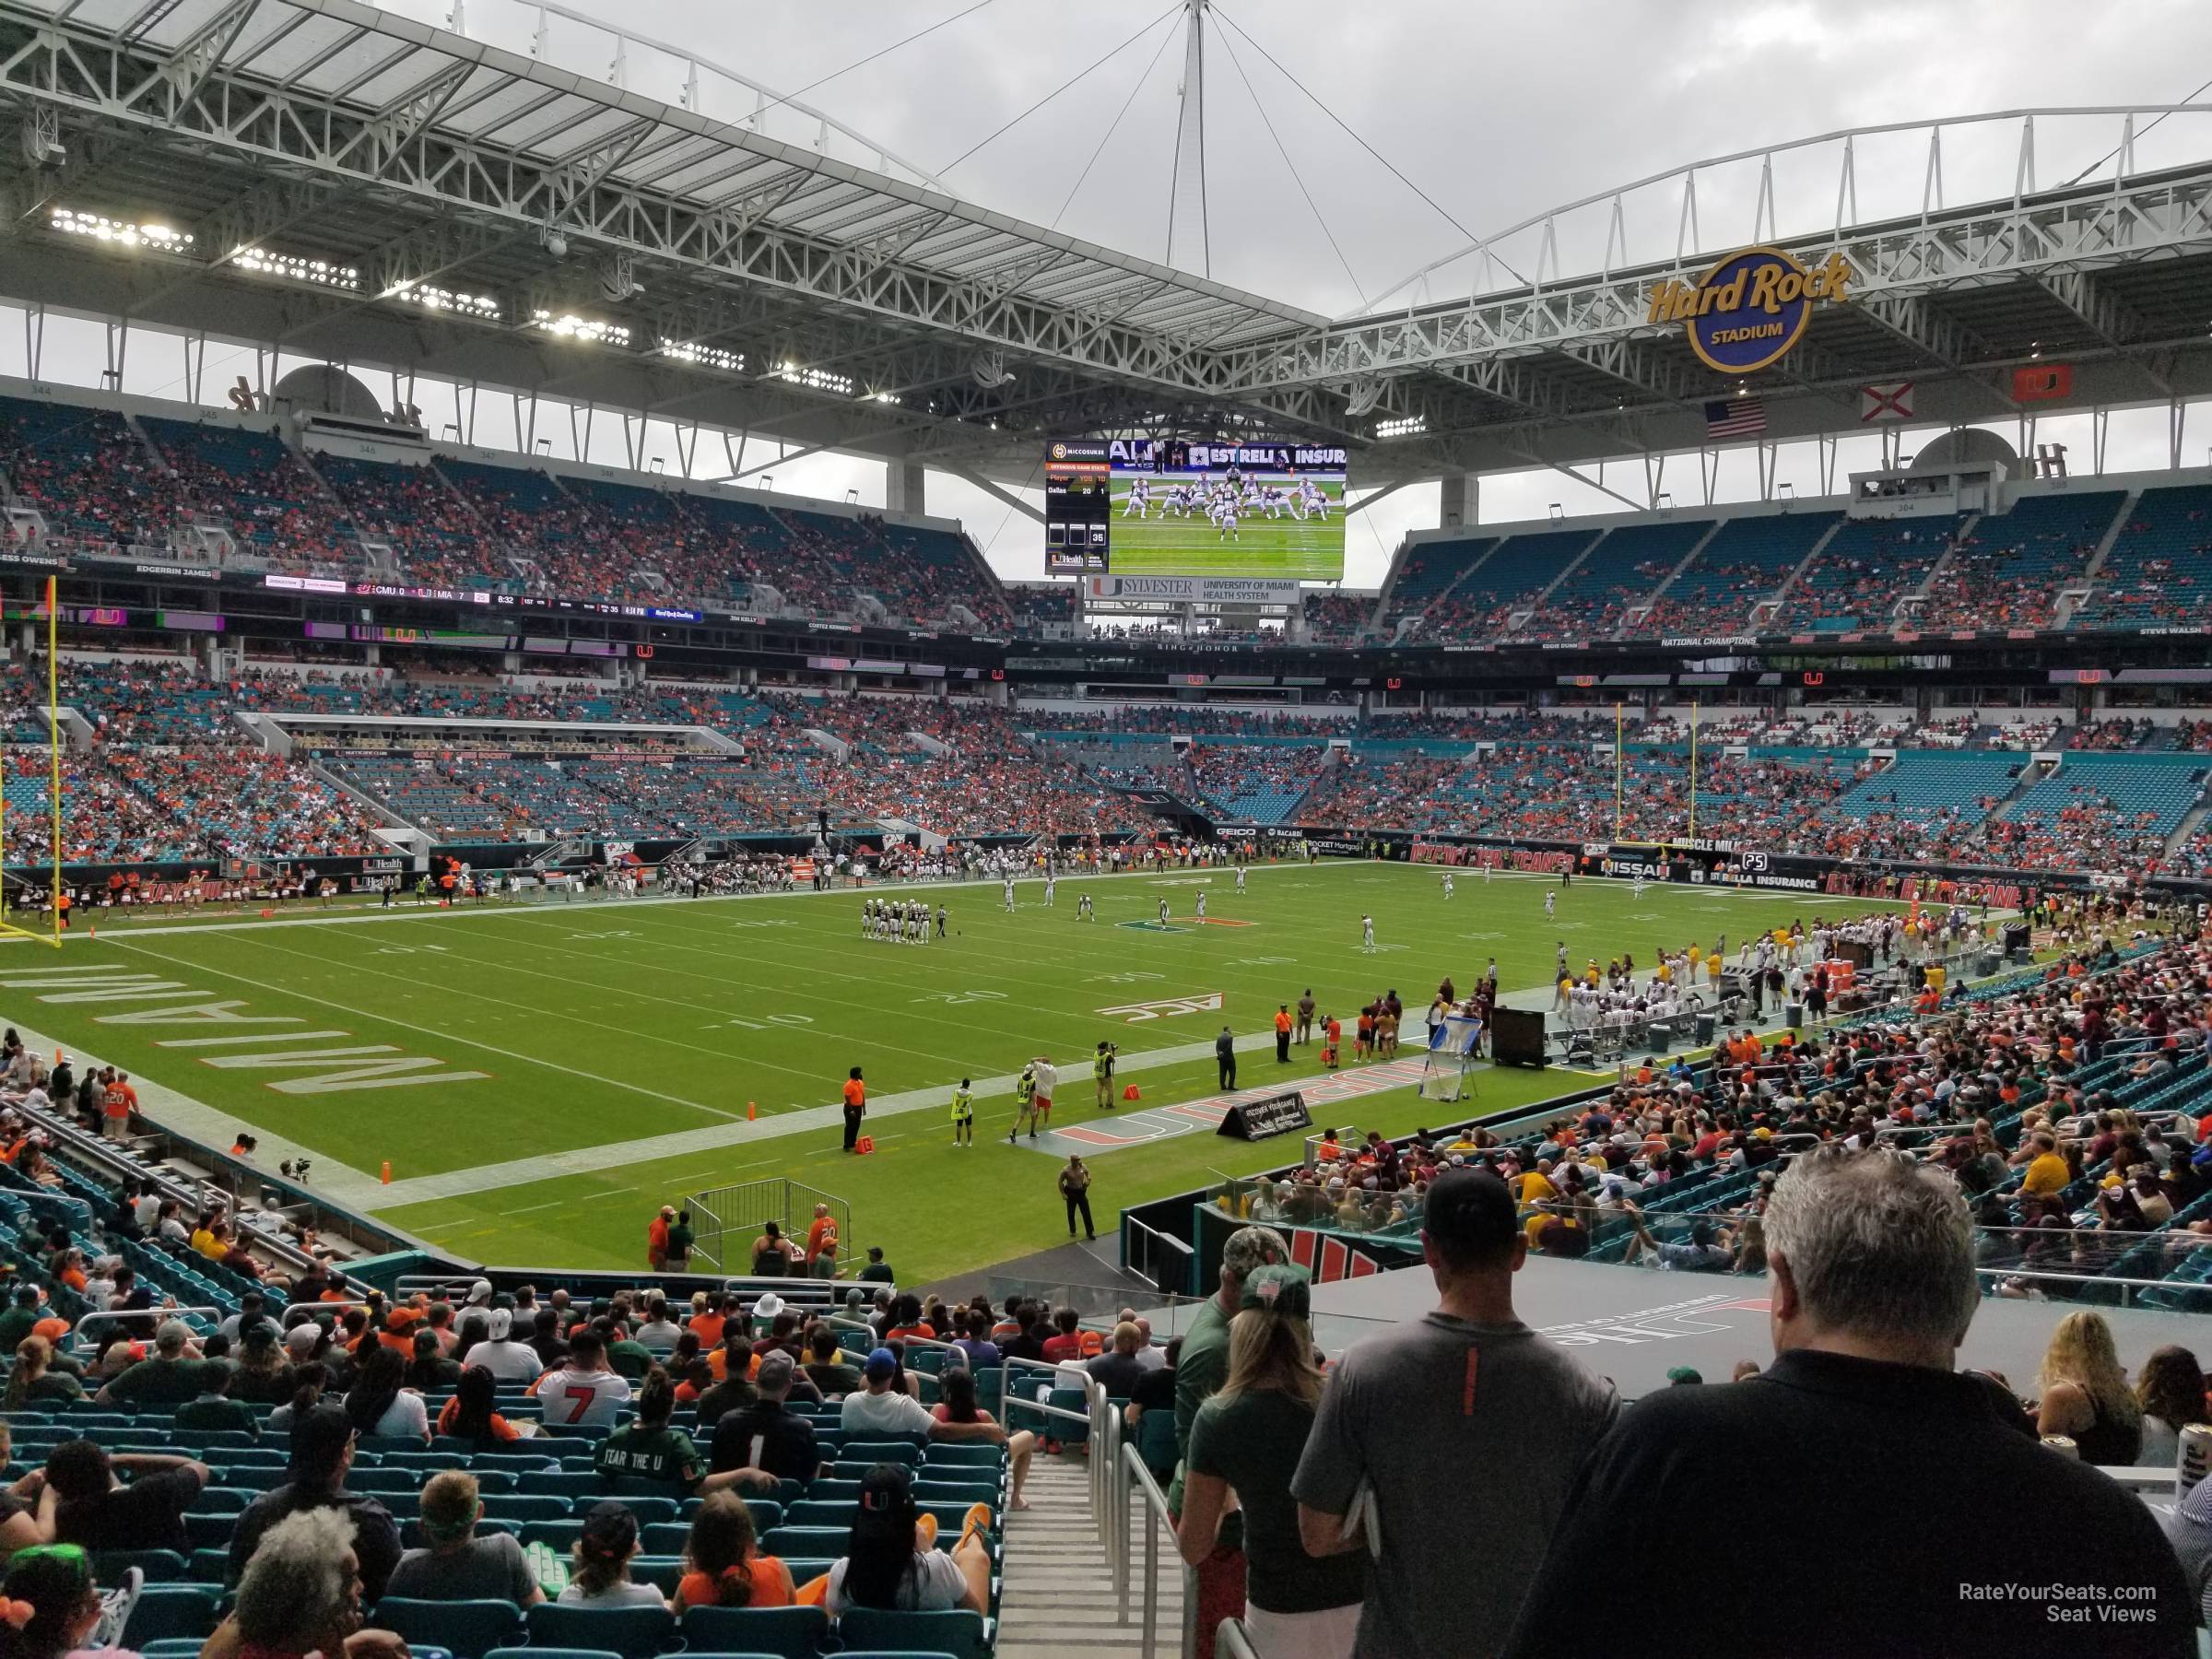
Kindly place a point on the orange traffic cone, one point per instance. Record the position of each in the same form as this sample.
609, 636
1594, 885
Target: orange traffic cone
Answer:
752, 1110
1129, 1092
387, 1171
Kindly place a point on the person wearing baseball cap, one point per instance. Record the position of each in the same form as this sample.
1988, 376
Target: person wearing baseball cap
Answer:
1247, 1441
1416, 1416
767, 1436
884, 1408
1201, 1367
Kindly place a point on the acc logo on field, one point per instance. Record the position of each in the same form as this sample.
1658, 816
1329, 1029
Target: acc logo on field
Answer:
1750, 309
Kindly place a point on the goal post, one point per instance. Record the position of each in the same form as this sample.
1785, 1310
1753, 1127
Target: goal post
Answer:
15, 885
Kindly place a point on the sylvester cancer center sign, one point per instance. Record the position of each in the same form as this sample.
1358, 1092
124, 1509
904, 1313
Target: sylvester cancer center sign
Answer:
1751, 308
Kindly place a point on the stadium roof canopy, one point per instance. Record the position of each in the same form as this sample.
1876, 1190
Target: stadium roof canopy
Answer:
363, 188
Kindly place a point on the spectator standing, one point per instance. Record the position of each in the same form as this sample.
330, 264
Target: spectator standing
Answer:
1871, 1273
459, 1564
1465, 1399
856, 1107
1075, 1192
681, 1241
1225, 1058
1201, 1367
656, 1239
1247, 1441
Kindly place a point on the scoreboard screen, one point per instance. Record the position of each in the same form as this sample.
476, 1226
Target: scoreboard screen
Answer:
1077, 477
1180, 507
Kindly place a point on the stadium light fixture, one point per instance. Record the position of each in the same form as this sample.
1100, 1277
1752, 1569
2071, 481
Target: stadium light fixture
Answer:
120, 233
296, 267
817, 380
481, 306
704, 356
1402, 426
567, 326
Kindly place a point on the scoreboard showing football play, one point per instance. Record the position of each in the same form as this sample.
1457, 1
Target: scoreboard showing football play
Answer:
1180, 507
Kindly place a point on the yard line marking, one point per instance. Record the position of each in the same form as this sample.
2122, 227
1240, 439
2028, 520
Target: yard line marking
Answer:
532, 1208
415, 980
442, 1036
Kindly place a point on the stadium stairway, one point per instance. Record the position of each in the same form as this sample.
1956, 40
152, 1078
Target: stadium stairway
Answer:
1058, 1600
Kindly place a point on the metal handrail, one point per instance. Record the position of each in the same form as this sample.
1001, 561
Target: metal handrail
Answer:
1231, 1642
1133, 1478
158, 1314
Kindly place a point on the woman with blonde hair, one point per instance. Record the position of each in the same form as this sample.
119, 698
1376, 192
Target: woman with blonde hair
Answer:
32, 1382
1248, 1439
2085, 1393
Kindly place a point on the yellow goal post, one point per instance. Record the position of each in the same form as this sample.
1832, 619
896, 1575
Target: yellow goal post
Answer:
15, 882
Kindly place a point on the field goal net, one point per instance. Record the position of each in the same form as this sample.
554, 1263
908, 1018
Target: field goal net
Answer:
725, 1220
1452, 1058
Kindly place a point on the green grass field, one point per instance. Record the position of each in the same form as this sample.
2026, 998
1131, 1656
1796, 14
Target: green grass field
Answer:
1186, 545
540, 1077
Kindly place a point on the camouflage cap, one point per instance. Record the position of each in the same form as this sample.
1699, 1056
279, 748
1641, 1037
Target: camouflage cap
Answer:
1252, 1248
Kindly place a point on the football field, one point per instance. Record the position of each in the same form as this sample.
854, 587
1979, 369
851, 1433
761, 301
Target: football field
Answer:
1172, 544
541, 1076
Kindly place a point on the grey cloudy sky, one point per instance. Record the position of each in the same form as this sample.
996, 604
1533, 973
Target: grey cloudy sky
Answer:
1498, 112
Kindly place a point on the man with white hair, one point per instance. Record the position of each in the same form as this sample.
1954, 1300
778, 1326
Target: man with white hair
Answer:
302, 1593
1860, 1429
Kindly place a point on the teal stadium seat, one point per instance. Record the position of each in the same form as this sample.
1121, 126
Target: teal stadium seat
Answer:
470, 1629
956, 1632
633, 1633
785, 1632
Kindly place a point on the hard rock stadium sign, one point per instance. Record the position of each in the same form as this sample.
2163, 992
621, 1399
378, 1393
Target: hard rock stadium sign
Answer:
1750, 309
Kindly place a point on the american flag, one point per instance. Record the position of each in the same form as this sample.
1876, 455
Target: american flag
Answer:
1734, 417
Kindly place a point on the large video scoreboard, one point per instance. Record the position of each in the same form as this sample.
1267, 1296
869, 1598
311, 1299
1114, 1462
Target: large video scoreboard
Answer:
1178, 506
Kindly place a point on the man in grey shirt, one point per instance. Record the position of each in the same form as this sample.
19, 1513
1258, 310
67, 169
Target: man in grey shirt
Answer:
459, 1563
1450, 1440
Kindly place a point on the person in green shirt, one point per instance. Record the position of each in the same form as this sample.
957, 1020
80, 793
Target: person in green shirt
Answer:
1202, 1363
19, 1319
176, 1373
647, 1448
681, 1237
963, 1115
1246, 1443
627, 1355
212, 1408
877, 1271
